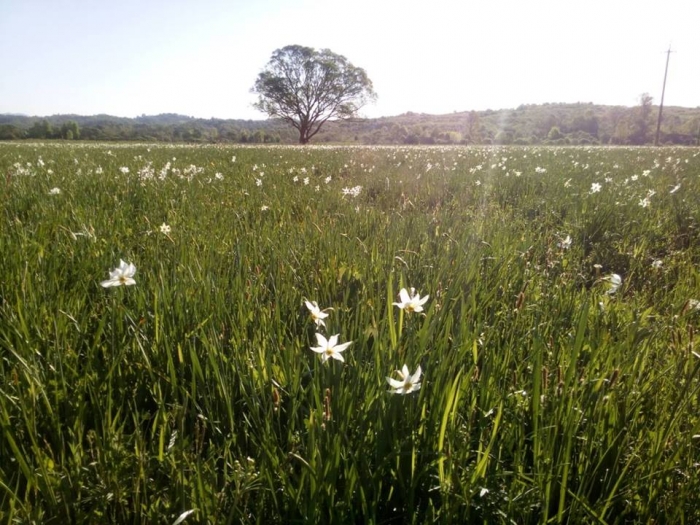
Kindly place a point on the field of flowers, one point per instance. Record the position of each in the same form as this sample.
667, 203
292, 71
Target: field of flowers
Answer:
349, 334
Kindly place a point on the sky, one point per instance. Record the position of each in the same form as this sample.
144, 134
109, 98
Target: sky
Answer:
201, 57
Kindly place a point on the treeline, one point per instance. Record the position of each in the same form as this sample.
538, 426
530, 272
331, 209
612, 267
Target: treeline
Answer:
158, 128
556, 124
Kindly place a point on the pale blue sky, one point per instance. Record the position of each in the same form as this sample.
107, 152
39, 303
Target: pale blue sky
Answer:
201, 57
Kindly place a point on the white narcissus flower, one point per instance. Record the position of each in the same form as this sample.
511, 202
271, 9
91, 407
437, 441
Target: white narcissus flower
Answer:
317, 314
595, 187
164, 228
615, 282
412, 302
55, 191
121, 275
407, 384
565, 244
657, 264
330, 348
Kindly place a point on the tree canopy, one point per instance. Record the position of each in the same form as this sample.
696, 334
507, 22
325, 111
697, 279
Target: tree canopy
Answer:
306, 88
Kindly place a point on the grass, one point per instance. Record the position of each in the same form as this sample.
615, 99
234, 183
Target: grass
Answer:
544, 399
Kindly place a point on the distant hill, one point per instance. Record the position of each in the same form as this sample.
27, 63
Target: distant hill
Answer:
579, 123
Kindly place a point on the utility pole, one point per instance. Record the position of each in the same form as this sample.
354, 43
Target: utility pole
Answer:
663, 92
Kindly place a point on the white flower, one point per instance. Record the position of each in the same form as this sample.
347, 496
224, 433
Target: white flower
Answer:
644, 203
306, 181
317, 314
124, 170
258, 182
264, 207
656, 265
330, 348
164, 228
295, 179
55, 191
121, 275
615, 282
219, 176
327, 179
595, 187
233, 159
412, 302
565, 244
354, 192
407, 384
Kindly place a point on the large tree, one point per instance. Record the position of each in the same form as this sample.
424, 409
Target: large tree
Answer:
306, 88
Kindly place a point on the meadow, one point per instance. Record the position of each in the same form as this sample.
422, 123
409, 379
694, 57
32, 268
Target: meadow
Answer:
559, 380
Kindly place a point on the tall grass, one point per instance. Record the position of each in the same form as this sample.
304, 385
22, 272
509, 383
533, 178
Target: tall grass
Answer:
545, 397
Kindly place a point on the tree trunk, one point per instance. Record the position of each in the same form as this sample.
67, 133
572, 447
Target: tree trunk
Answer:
304, 132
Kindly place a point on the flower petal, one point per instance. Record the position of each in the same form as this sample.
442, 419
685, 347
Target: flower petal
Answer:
342, 347
394, 383
416, 376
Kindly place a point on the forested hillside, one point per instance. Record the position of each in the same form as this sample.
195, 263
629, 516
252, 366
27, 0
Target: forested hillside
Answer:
578, 123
